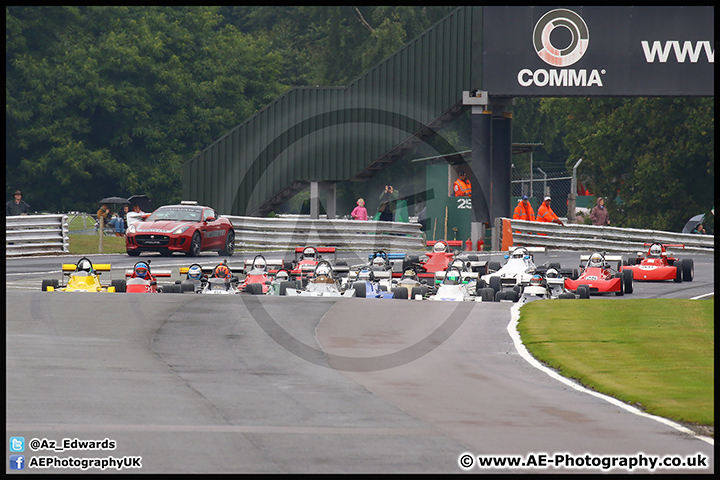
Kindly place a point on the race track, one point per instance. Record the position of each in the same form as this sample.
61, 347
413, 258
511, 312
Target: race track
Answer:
247, 384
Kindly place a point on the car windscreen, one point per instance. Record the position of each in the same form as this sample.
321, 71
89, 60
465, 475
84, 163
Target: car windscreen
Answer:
178, 214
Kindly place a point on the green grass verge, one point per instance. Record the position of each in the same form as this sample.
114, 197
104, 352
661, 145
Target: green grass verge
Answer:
89, 244
657, 354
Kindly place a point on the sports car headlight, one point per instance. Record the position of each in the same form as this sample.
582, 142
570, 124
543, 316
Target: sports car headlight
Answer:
180, 230
131, 229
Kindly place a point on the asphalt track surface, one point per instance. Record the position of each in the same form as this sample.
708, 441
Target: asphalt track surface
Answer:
248, 384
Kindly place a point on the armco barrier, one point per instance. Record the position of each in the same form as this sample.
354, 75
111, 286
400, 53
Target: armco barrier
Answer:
596, 238
294, 231
36, 235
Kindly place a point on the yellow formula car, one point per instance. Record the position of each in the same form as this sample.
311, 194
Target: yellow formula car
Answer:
82, 276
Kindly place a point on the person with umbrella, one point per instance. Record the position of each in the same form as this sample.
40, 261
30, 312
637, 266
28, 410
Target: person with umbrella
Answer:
138, 203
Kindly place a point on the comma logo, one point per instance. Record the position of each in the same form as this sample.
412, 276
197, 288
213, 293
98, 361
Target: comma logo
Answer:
567, 55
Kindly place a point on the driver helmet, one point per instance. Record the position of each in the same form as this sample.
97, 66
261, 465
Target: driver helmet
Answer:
141, 270
596, 260
194, 272
457, 263
655, 249
309, 252
322, 270
519, 253
222, 271
439, 247
260, 263
282, 275
452, 277
378, 262
536, 280
551, 273
84, 265
410, 273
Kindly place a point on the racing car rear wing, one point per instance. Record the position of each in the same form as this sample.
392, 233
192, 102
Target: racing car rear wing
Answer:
98, 267
155, 273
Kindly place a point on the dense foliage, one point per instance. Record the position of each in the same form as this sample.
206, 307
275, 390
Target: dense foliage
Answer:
105, 101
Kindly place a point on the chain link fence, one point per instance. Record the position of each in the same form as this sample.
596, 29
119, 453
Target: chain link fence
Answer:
539, 184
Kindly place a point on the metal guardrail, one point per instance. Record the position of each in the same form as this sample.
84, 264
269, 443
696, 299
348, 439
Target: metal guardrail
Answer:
36, 235
592, 238
294, 231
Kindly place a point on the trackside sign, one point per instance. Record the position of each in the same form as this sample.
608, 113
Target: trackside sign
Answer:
603, 51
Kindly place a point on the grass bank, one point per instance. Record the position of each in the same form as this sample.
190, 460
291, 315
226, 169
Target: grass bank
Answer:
657, 354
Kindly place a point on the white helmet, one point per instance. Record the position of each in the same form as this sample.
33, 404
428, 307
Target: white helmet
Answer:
551, 273
322, 270
440, 247
260, 263
655, 249
596, 260
194, 272
378, 262
518, 253
309, 252
365, 275
282, 275
84, 265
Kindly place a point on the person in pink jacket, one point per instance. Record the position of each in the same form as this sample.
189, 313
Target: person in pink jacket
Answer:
359, 212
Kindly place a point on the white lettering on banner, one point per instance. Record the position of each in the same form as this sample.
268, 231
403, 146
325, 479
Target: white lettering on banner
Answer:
662, 52
560, 78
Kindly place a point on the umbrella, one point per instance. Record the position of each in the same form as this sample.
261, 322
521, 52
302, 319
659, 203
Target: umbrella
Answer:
142, 201
693, 222
119, 200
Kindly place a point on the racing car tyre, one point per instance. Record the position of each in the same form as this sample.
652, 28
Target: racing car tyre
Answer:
417, 291
688, 269
360, 289
45, 284
285, 285
253, 288
631, 261
583, 291
229, 244
187, 287
120, 286
487, 294
400, 293
512, 295
176, 288
499, 296
493, 266
628, 280
495, 283
678, 274
195, 245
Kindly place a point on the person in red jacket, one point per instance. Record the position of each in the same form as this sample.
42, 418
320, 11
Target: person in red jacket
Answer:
545, 213
524, 211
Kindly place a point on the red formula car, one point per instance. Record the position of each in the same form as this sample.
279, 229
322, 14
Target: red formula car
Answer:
140, 279
658, 265
307, 258
598, 277
187, 228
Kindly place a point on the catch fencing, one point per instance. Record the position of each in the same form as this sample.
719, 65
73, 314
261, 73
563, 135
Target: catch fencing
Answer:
36, 235
592, 237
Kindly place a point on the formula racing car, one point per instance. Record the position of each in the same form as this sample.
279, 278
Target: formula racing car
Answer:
598, 277
83, 276
658, 265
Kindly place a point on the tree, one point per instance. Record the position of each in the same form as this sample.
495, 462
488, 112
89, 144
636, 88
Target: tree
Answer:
652, 157
112, 100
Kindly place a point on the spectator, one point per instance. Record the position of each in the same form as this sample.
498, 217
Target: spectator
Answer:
462, 186
599, 213
359, 212
388, 201
111, 220
17, 206
699, 229
134, 216
545, 213
124, 213
523, 210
